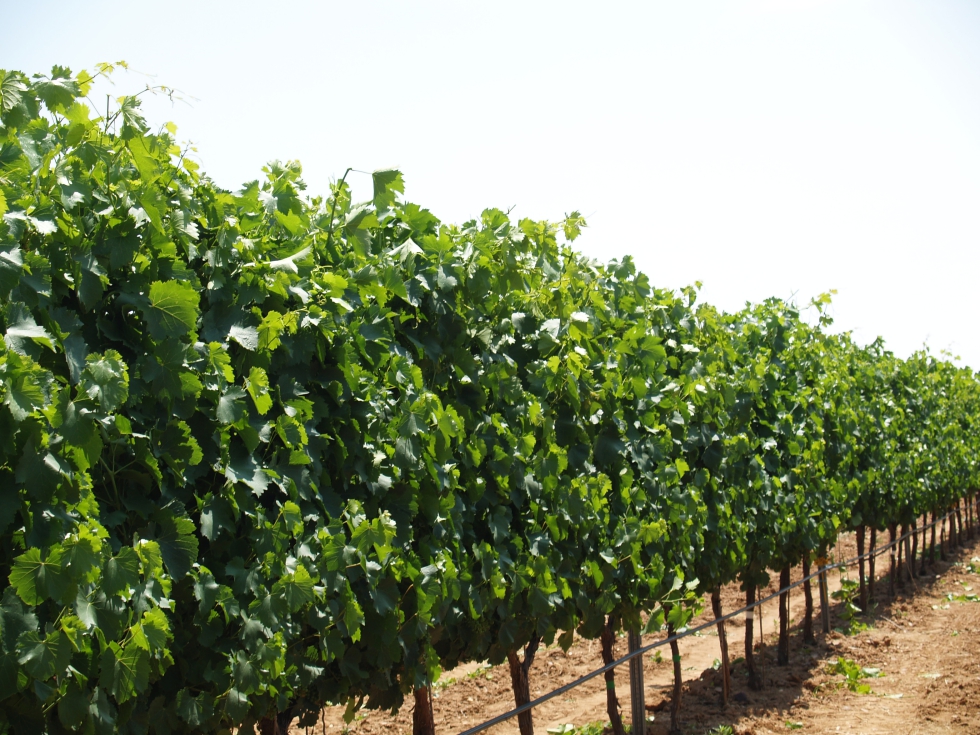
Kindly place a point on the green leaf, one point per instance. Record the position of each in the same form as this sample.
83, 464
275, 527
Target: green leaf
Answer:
11, 265
178, 447
59, 91
36, 578
294, 225
244, 674
146, 158
125, 671
166, 368
153, 631
83, 556
231, 407
243, 468
216, 516
133, 122
73, 708
178, 543
236, 704
376, 330
24, 327
26, 393
12, 88
15, 618
121, 572
258, 388
189, 709
290, 431
75, 351
154, 204
387, 182
206, 590
150, 558
289, 264
247, 337
353, 616
269, 330
44, 658
105, 380
298, 588
173, 309
293, 516
573, 225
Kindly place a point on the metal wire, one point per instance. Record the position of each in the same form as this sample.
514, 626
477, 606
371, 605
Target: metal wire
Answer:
878, 550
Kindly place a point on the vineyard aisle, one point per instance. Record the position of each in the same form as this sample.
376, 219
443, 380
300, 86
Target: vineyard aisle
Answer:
925, 645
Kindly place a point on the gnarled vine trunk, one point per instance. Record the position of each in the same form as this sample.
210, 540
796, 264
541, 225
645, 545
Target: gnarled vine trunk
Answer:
423, 720
808, 637
277, 725
675, 702
520, 684
607, 638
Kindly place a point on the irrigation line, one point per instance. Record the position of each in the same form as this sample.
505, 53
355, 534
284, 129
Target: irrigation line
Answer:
878, 550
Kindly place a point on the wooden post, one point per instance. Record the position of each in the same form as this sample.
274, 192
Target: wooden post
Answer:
637, 701
782, 651
871, 562
862, 584
824, 596
755, 680
891, 550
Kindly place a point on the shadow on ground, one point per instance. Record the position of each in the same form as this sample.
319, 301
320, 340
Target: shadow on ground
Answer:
808, 671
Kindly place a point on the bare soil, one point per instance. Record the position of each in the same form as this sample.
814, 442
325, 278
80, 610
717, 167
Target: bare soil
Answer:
926, 646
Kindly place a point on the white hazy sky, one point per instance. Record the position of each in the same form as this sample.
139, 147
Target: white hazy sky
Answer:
764, 147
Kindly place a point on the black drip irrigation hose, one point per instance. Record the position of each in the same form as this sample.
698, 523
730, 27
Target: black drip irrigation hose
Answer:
877, 551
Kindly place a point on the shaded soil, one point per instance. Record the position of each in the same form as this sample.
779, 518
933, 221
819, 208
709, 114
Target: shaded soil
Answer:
926, 646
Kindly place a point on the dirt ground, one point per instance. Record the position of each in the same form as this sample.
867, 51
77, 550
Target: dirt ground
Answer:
925, 645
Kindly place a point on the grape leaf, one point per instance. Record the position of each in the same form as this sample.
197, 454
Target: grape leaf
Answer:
125, 671
178, 544
121, 572
35, 578
105, 380
44, 657
258, 388
172, 310
386, 182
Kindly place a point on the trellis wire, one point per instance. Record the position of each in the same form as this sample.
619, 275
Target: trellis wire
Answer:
877, 551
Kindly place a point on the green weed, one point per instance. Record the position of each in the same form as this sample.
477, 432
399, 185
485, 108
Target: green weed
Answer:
850, 612
593, 728
853, 674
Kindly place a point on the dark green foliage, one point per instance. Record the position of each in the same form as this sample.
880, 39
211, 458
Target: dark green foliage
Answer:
264, 451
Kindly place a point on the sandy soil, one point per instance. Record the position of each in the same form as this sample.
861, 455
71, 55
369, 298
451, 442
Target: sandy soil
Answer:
926, 646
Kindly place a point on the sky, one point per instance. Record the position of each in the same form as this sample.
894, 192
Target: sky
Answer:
762, 147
